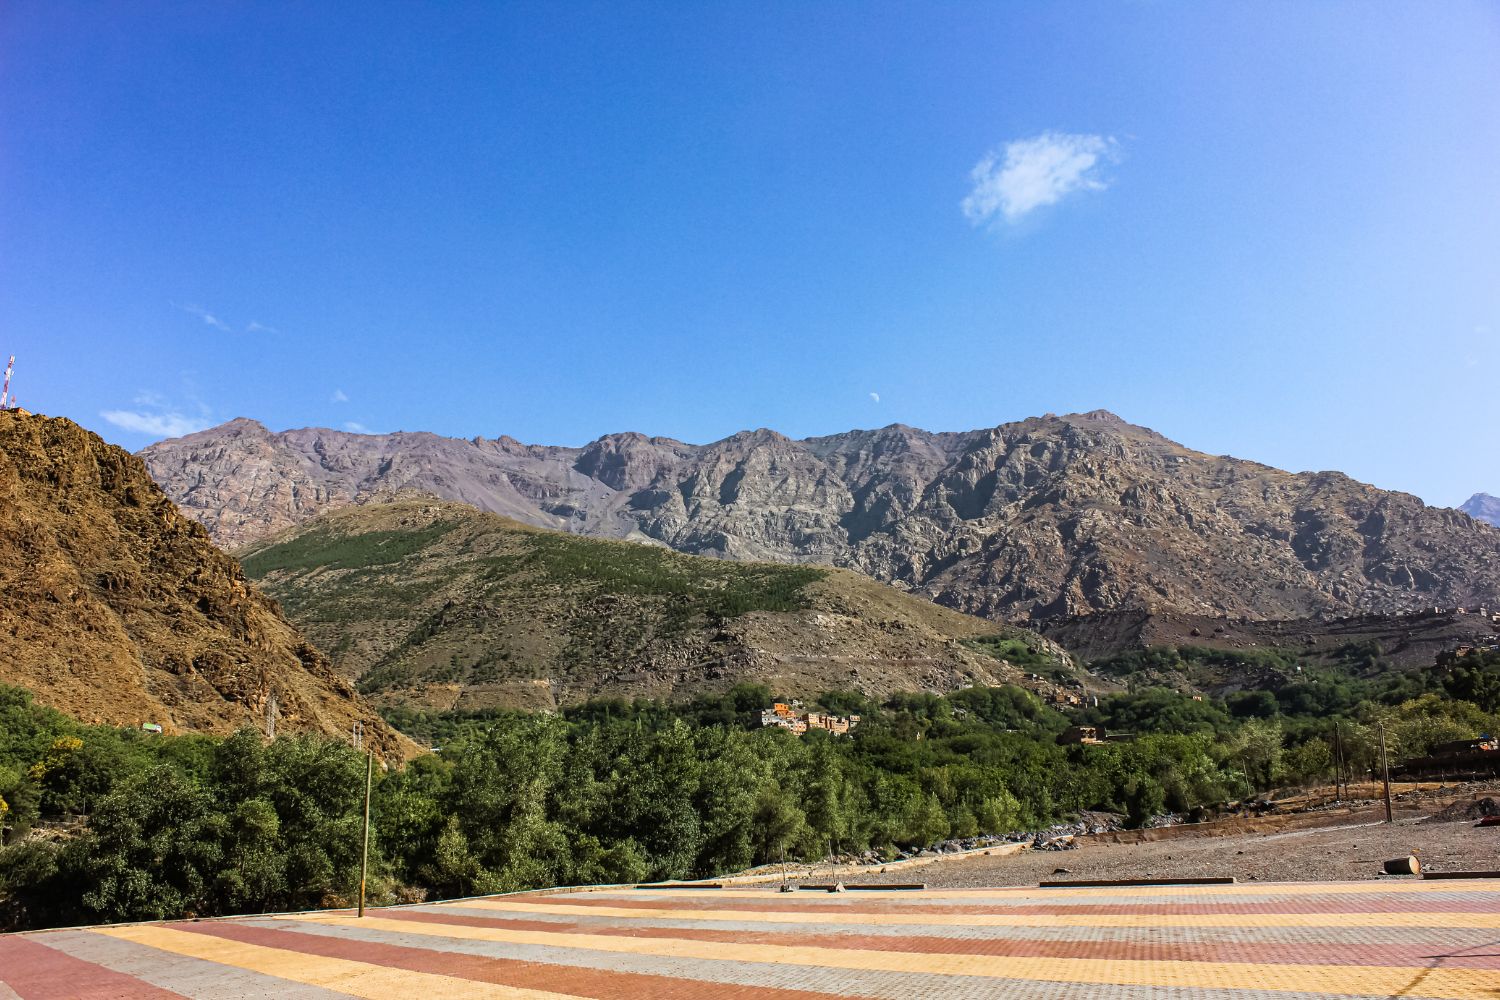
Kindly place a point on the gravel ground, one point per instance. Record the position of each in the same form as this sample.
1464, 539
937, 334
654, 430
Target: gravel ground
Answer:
1354, 849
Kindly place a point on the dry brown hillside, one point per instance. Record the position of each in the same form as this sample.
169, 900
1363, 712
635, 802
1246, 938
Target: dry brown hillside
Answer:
436, 604
115, 608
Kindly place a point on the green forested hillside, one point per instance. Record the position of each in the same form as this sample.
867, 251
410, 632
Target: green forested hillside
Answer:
439, 606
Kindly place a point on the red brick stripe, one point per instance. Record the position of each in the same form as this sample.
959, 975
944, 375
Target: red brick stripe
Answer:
832, 910
501, 971
1264, 953
38, 972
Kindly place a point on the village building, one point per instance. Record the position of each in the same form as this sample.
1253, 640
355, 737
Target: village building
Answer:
788, 717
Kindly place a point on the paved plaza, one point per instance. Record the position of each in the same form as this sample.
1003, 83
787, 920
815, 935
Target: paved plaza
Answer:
1367, 939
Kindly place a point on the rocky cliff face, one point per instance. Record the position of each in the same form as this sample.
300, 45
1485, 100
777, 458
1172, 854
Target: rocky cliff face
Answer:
1041, 518
1483, 507
115, 608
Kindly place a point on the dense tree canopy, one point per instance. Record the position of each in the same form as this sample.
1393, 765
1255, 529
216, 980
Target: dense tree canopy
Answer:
103, 824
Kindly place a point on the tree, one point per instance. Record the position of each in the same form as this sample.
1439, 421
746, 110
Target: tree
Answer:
731, 777
776, 825
407, 814
152, 851
999, 813
454, 872
1308, 762
1476, 678
20, 801
824, 798
1253, 705
1258, 748
254, 874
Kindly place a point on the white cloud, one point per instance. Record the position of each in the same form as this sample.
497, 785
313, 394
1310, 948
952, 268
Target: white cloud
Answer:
338, 397
254, 327
155, 415
205, 316
1031, 173
355, 427
159, 425
875, 396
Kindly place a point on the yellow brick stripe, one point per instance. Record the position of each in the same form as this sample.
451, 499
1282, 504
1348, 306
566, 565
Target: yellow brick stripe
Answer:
358, 979
921, 917
1448, 984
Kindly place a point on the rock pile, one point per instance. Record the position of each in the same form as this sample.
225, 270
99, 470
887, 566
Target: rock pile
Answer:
1460, 811
1059, 837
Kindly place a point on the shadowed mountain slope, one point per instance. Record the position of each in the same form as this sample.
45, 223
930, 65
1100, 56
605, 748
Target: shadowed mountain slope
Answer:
117, 609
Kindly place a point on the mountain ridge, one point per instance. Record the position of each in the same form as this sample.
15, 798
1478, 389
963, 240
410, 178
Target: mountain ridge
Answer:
439, 605
1043, 517
118, 609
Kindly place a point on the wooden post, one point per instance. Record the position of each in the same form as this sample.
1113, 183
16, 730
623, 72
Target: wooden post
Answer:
364, 854
1386, 770
1338, 761
1334, 750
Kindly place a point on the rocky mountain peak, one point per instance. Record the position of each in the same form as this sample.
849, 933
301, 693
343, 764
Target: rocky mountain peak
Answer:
759, 438
238, 426
629, 461
1483, 507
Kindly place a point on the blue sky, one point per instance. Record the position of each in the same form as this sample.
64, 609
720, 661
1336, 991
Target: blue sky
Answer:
1267, 230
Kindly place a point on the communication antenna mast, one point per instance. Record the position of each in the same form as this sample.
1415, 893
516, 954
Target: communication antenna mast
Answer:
5, 393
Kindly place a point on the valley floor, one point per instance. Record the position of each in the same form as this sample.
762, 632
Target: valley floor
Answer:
1349, 852
1334, 846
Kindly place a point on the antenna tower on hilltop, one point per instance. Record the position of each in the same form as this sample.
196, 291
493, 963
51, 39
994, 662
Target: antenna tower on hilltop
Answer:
5, 399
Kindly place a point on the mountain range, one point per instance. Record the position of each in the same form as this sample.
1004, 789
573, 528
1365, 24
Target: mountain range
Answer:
117, 609
1483, 507
1046, 517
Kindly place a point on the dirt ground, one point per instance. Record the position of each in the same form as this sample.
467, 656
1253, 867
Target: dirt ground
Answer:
1343, 846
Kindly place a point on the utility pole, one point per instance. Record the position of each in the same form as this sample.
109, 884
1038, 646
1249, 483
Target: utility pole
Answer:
1386, 769
364, 854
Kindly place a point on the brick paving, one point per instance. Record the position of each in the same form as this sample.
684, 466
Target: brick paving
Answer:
1351, 939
